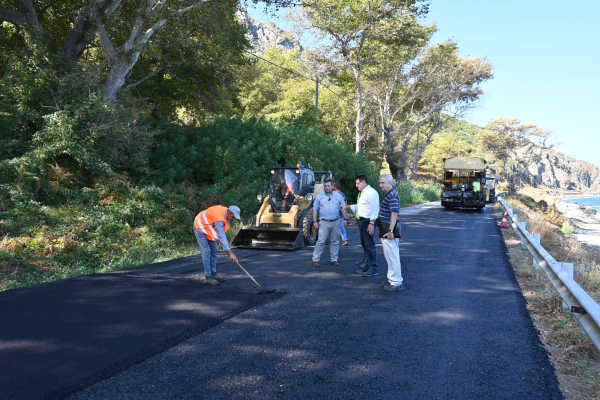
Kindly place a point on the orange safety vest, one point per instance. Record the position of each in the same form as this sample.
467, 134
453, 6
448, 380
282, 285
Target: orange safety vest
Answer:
204, 221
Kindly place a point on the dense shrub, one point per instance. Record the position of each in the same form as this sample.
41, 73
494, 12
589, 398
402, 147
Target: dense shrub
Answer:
233, 157
412, 193
58, 220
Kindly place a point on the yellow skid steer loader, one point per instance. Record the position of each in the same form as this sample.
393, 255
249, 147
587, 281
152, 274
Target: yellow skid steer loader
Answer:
285, 220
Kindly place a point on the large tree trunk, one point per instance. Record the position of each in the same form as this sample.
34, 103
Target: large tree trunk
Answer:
120, 68
359, 110
80, 36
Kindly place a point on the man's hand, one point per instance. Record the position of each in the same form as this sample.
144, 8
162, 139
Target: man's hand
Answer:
371, 229
345, 223
232, 256
389, 235
355, 222
344, 207
316, 224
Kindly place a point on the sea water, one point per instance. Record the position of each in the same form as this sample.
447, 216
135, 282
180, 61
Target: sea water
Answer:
584, 201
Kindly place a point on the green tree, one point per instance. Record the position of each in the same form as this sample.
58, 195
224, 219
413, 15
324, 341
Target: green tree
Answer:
278, 88
414, 97
514, 145
345, 29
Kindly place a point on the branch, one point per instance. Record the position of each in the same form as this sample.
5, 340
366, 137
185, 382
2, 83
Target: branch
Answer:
105, 39
14, 17
156, 71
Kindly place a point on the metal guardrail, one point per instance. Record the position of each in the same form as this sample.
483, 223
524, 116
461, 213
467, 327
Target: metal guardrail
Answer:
583, 307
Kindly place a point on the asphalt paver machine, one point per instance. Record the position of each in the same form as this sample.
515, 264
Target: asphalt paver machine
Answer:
285, 220
459, 175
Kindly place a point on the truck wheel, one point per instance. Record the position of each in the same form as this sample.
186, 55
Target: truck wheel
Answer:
308, 230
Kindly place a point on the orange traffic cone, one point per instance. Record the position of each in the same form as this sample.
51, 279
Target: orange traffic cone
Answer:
504, 223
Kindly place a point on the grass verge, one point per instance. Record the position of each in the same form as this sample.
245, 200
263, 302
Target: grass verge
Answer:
576, 360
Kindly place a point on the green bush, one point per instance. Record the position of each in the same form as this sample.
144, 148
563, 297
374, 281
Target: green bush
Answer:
412, 193
56, 221
233, 157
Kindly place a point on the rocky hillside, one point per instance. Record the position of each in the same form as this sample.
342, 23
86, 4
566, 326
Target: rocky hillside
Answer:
263, 34
558, 171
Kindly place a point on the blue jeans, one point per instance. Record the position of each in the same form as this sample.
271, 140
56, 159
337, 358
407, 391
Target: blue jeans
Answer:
368, 243
209, 250
343, 230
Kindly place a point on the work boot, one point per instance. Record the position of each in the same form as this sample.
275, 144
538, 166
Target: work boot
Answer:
362, 270
393, 288
209, 280
371, 272
217, 277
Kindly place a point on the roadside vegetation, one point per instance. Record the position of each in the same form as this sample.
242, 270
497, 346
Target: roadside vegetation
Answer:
57, 222
574, 356
412, 193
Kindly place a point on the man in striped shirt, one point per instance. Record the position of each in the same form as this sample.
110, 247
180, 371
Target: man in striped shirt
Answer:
388, 217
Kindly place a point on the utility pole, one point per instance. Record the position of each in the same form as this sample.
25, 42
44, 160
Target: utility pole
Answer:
317, 105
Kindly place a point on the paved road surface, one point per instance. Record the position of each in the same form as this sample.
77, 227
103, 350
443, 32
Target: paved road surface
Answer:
460, 330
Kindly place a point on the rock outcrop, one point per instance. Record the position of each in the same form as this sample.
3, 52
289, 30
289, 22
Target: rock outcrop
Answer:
558, 171
263, 34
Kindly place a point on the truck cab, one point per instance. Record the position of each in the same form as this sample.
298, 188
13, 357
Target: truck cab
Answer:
491, 182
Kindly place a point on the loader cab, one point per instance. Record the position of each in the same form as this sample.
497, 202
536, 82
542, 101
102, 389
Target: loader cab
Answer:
287, 185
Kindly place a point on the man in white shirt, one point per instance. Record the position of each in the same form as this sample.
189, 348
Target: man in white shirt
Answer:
367, 210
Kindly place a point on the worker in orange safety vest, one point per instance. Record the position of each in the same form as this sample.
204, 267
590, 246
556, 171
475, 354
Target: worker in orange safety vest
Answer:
210, 225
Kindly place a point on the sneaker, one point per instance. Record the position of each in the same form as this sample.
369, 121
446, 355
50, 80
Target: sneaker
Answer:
345, 243
209, 280
386, 283
362, 270
316, 264
371, 272
360, 262
393, 288
217, 277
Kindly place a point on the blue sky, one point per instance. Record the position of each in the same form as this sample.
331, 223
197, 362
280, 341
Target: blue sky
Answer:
546, 56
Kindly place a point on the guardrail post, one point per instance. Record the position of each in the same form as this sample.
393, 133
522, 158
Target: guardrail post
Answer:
568, 267
535, 238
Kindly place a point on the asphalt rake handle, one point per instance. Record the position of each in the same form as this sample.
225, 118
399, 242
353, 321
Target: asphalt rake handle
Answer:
262, 291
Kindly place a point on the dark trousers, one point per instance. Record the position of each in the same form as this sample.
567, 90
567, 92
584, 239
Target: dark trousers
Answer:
368, 243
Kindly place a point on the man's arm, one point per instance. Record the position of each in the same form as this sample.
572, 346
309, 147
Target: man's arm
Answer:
220, 227
390, 234
316, 212
374, 203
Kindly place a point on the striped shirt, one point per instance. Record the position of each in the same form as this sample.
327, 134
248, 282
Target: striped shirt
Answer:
390, 204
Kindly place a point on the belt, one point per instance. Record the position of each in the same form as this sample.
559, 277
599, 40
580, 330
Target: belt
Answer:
330, 220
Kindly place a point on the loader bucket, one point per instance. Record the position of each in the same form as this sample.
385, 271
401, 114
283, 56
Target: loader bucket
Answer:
269, 238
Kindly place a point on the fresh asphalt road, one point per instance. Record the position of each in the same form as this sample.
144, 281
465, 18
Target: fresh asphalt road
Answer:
460, 329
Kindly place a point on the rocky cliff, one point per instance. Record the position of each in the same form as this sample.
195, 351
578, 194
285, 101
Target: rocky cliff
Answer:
263, 34
558, 171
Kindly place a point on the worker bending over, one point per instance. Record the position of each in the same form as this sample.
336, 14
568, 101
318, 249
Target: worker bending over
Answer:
209, 226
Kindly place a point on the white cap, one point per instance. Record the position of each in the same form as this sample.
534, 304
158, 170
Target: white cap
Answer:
236, 211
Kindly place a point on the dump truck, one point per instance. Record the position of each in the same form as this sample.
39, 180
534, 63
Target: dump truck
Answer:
285, 218
459, 175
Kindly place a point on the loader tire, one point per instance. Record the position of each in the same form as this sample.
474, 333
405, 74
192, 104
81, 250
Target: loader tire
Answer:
308, 230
